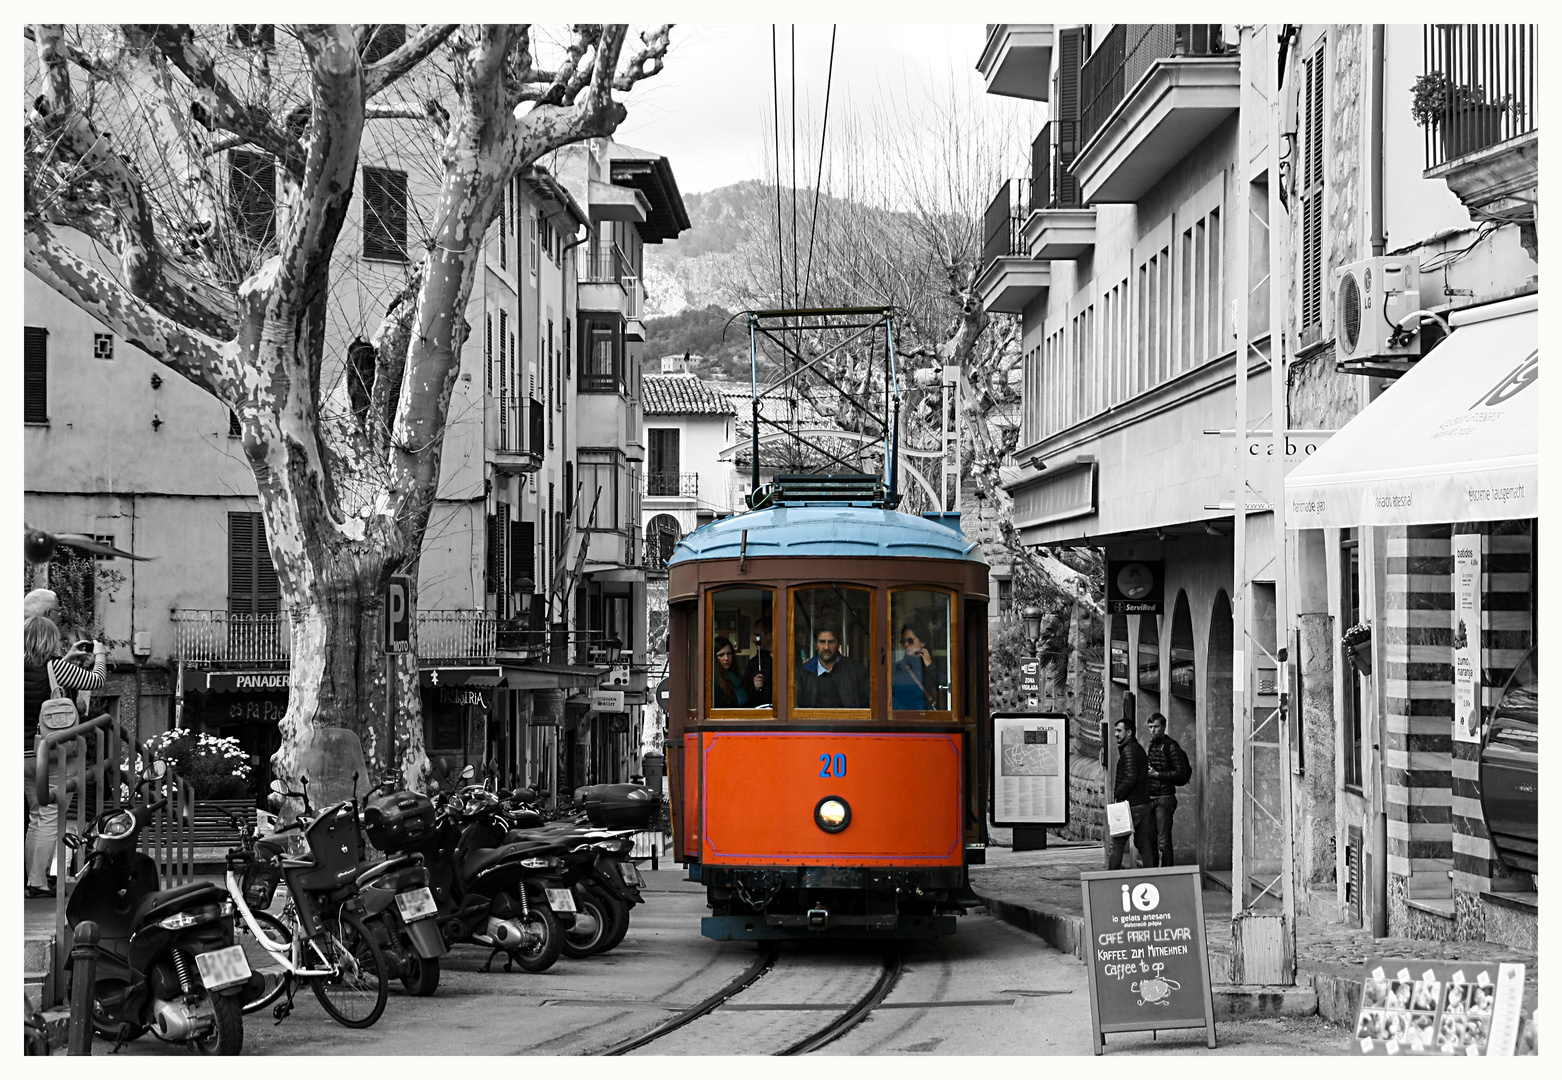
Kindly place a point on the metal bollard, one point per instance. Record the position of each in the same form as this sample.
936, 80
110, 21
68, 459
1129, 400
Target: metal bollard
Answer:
84, 964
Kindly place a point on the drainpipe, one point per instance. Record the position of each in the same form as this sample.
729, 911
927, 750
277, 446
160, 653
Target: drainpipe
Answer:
1376, 236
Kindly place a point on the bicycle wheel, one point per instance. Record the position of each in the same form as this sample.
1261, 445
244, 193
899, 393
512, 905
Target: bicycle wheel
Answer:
355, 996
262, 960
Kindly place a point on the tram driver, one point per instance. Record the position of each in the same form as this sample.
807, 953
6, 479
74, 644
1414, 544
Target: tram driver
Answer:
828, 680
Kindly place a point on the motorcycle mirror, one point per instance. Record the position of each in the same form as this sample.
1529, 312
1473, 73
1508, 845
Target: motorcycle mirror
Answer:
71, 840
466, 773
279, 787
156, 770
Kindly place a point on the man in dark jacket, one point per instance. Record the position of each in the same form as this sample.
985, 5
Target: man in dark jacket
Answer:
1131, 784
828, 680
1169, 770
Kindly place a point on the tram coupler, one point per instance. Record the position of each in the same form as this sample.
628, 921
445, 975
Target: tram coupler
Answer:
818, 918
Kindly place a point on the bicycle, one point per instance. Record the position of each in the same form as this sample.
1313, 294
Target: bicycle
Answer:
344, 966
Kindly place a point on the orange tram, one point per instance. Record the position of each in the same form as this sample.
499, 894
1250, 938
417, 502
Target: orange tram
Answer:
828, 715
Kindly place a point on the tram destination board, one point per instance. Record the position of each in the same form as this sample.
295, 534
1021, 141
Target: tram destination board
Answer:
1029, 769
1148, 965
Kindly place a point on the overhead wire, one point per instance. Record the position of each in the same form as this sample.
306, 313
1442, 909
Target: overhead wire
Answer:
824, 128
775, 87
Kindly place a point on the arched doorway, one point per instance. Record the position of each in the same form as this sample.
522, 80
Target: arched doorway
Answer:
1215, 763
1182, 723
662, 534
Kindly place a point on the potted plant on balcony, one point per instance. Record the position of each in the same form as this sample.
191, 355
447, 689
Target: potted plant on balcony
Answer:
1473, 122
1357, 644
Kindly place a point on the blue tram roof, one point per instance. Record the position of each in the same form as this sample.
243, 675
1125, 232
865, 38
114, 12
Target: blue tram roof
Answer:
827, 530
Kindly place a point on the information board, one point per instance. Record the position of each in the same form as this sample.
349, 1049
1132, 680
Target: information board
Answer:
1447, 1008
1030, 769
1148, 966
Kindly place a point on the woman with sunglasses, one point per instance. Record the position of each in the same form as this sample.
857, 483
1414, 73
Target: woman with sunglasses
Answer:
919, 679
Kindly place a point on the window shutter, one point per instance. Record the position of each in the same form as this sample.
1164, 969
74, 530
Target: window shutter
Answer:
384, 214
490, 573
1071, 49
233, 424
504, 229
535, 419
501, 555
252, 196
35, 374
253, 587
488, 353
523, 551
1312, 200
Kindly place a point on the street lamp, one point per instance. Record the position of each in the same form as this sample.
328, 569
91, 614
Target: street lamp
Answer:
1032, 617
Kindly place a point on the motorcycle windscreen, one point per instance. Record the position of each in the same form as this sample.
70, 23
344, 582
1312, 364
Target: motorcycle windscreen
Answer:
330, 757
765, 795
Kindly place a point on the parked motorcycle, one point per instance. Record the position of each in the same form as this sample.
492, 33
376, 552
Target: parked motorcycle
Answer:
166, 962
506, 896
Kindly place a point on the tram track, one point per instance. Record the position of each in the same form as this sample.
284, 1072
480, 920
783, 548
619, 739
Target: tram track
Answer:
848, 1017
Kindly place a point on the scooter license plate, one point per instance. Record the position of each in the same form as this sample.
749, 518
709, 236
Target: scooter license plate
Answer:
225, 967
631, 874
416, 904
560, 899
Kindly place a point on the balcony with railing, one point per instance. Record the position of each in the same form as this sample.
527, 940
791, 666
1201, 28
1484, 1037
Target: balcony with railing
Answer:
456, 636
661, 483
1059, 227
516, 435
216, 638
1478, 105
1149, 95
634, 314
1010, 280
1016, 60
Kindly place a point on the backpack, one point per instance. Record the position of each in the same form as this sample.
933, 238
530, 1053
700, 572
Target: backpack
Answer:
58, 712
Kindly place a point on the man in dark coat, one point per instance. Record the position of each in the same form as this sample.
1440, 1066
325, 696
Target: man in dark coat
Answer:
1169, 769
828, 680
1131, 784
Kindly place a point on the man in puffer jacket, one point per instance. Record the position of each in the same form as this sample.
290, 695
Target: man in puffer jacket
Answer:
1169, 769
1131, 784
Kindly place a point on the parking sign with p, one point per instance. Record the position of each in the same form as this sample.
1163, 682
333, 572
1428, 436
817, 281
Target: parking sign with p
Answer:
398, 613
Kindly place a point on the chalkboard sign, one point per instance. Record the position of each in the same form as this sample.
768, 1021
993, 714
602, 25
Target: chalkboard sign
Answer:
1148, 966
1456, 1008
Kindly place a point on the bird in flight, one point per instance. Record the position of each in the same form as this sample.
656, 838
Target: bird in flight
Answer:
39, 545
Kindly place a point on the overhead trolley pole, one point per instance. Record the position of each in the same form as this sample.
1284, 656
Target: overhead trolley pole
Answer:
1263, 900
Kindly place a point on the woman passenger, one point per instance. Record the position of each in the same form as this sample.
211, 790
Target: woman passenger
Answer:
919, 679
726, 685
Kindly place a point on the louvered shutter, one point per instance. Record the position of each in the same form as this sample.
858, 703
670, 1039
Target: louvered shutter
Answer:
491, 550
384, 214
501, 556
253, 587
488, 353
252, 196
1312, 200
35, 375
523, 551
1071, 48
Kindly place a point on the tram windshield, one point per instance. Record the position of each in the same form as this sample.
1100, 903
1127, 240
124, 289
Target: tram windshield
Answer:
740, 660
831, 642
920, 660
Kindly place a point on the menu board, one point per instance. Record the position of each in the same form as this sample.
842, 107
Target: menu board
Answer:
1030, 769
1453, 1008
1467, 637
1148, 966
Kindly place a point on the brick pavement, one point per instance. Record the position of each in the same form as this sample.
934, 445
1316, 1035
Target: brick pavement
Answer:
1047, 881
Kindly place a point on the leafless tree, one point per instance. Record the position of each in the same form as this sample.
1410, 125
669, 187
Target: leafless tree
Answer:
128, 215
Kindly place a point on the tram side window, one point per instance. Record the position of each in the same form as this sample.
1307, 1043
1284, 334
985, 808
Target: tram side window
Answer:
831, 642
920, 657
739, 658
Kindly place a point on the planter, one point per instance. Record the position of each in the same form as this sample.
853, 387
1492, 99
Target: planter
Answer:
1466, 129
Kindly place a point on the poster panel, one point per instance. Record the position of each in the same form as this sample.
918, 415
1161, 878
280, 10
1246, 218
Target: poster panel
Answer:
1467, 637
1030, 769
1148, 966
1455, 1008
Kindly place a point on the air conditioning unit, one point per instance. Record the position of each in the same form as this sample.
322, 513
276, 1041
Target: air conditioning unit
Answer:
1371, 297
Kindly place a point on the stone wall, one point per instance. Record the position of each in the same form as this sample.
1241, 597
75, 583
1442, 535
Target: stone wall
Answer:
1086, 799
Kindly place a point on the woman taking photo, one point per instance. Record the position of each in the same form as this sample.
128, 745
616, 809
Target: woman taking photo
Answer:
45, 675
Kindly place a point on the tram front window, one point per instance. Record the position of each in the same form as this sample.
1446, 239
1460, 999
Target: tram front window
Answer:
742, 670
831, 639
920, 657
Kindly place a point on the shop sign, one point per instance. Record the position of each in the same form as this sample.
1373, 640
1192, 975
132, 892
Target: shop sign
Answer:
451, 695
1030, 770
607, 701
1467, 637
255, 710
1148, 966
1135, 587
230, 681
1454, 1008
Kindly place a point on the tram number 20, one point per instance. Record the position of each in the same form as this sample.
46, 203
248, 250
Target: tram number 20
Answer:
832, 765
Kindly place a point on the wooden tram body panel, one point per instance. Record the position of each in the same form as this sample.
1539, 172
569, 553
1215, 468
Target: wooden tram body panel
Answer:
745, 783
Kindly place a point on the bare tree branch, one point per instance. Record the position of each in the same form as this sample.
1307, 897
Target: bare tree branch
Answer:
419, 47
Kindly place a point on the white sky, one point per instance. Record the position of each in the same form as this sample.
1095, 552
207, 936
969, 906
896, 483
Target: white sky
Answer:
709, 109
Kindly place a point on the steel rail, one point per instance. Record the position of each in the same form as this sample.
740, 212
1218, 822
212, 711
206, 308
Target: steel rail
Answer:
762, 963
893, 966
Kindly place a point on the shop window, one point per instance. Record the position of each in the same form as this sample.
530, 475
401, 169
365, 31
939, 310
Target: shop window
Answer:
740, 656
921, 655
1119, 650
1350, 615
831, 640
1149, 656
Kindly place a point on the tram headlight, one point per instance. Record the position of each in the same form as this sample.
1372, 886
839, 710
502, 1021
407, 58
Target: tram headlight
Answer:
832, 814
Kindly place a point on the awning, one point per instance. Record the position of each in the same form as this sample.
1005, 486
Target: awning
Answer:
1456, 438
228, 682
461, 676
553, 676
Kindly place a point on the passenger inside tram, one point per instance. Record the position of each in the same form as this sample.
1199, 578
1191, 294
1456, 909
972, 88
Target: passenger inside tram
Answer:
829, 624
919, 676
740, 620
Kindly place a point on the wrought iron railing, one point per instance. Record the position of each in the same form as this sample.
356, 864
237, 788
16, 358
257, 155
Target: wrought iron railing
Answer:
1479, 87
207, 637
1041, 169
464, 634
665, 482
1003, 223
604, 264
1126, 53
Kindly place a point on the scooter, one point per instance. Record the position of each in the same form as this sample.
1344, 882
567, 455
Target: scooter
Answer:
508, 897
167, 962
